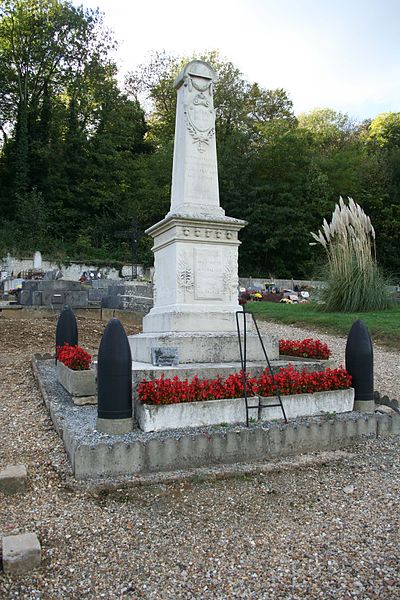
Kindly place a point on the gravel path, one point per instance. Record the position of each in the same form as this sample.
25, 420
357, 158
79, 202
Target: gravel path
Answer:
328, 531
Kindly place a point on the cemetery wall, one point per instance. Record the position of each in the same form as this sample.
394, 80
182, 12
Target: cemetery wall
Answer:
281, 283
72, 271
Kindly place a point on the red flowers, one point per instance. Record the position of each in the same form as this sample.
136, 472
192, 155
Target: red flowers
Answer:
74, 357
286, 381
174, 391
289, 381
307, 348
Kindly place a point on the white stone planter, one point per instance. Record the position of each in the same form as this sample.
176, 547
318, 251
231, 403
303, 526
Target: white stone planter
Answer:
156, 417
315, 364
304, 405
77, 383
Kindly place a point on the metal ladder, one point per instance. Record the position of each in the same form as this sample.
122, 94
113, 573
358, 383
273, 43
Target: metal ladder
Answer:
243, 361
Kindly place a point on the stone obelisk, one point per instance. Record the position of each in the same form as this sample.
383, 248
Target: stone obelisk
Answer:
195, 245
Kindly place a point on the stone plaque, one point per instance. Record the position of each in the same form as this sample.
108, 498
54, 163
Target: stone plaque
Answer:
57, 299
209, 283
164, 357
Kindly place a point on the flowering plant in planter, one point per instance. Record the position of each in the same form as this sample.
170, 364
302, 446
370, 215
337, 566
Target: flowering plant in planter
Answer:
307, 348
286, 381
174, 391
74, 357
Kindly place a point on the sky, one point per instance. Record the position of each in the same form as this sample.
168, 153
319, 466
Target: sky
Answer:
342, 54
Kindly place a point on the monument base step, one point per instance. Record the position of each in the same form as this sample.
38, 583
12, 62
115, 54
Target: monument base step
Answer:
193, 317
200, 347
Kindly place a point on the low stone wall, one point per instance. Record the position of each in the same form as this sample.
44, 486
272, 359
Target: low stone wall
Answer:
135, 296
71, 271
281, 283
53, 293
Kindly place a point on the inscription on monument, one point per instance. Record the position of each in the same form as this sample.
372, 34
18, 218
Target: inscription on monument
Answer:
209, 276
164, 357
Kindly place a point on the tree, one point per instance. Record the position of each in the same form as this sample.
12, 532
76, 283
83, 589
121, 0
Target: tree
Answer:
332, 129
43, 46
71, 139
384, 130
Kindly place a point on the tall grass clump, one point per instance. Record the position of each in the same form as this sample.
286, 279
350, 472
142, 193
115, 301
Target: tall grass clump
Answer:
354, 280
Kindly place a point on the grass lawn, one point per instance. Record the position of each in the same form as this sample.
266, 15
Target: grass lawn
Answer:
383, 326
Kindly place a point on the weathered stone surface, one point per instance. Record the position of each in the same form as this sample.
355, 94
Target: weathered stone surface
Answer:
59, 285
25, 297
303, 405
77, 383
76, 299
49, 298
202, 347
195, 245
13, 479
84, 400
192, 414
30, 284
230, 411
36, 298
21, 553
114, 426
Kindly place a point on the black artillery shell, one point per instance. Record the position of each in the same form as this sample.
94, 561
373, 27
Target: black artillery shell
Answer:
360, 361
114, 374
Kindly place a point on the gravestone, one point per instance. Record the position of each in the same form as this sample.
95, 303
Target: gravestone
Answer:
195, 245
37, 260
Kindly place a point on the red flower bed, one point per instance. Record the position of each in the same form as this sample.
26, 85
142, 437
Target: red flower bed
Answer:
307, 348
174, 391
286, 381
74, 357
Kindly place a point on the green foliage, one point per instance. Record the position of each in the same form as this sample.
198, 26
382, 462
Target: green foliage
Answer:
385, 129
79, 157
71, 143
356, 291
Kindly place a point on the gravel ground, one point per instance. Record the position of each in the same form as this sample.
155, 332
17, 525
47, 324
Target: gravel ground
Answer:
321, 530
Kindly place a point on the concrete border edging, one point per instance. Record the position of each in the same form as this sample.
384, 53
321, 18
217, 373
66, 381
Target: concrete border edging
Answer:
94, 455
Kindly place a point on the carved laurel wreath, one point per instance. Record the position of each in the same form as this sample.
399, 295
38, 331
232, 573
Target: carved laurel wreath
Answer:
202, 139
229, 278
184, 275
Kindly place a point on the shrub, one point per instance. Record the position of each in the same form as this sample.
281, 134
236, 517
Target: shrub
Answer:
74, 357
286, 381
307, 348
355, 282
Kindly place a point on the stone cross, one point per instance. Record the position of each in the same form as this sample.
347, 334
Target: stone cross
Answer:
37, 260
133, 235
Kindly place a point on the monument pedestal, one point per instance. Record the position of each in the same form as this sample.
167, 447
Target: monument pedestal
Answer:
196, 294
